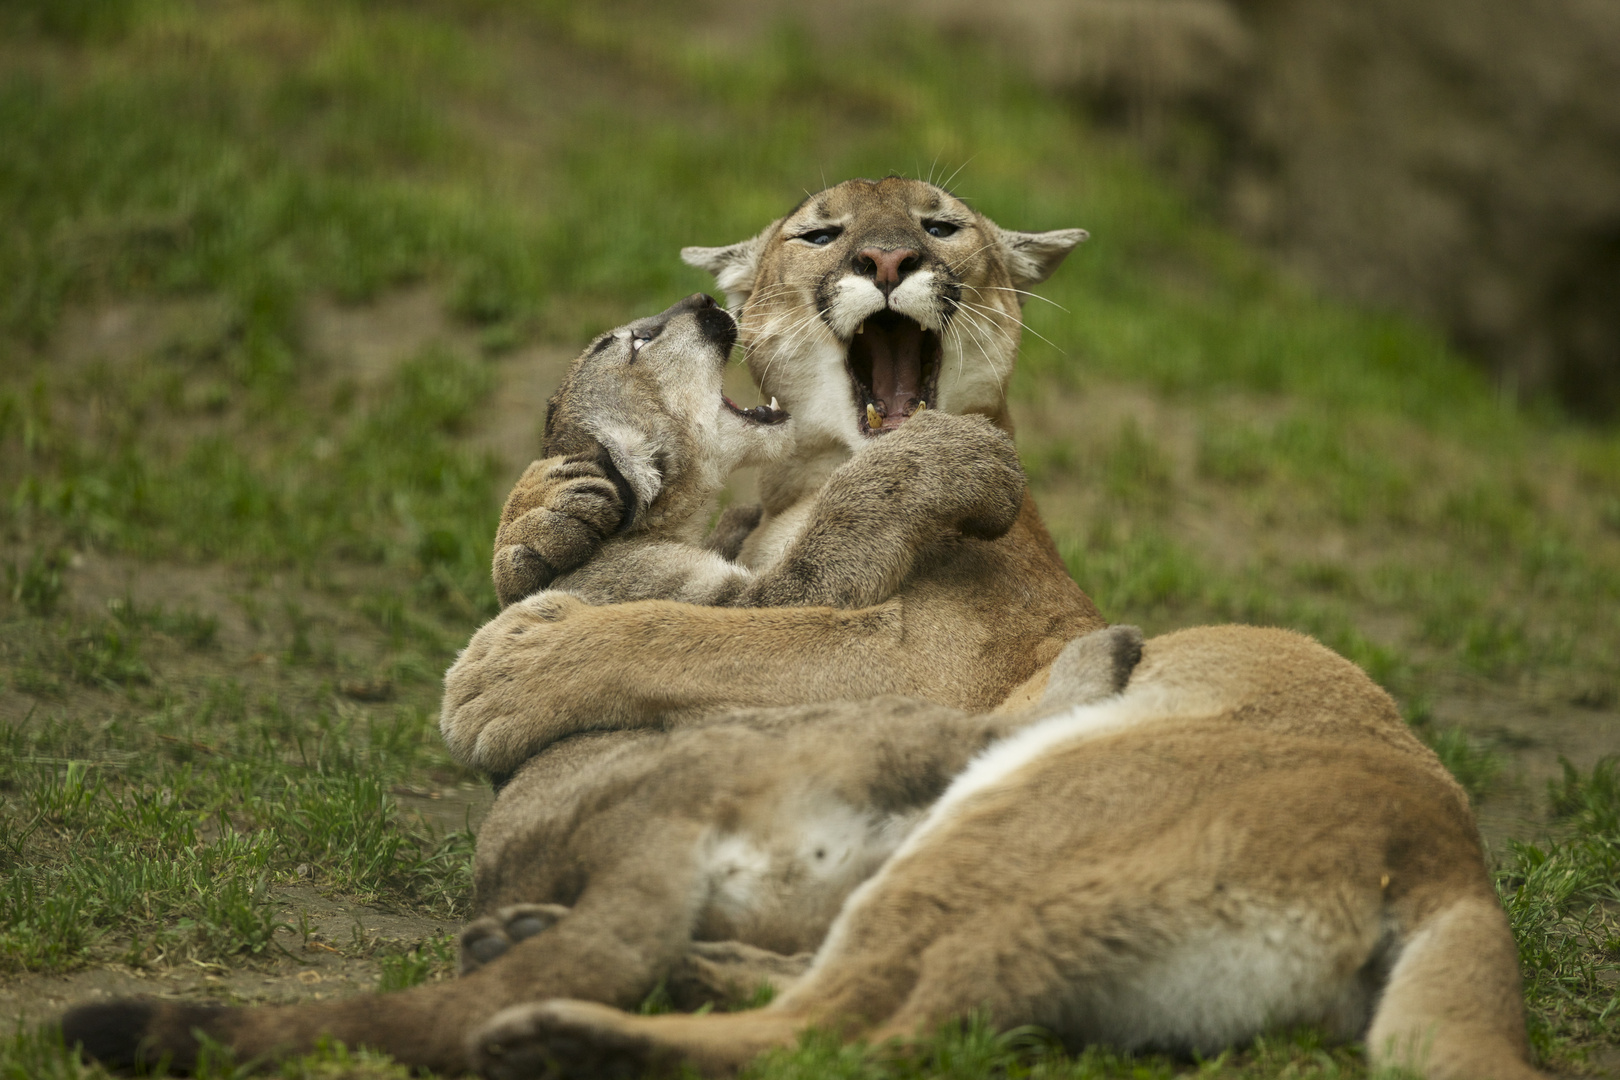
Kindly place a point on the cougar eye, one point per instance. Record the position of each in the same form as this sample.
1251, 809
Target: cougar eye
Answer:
940, 229
821, 237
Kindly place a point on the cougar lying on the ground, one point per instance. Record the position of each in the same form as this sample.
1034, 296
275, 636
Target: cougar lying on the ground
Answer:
867, 311
630, 829
1248, 836
1235, 833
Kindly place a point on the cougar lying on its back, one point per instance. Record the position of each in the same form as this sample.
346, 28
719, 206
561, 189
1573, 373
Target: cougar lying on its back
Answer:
1247, 837
1191, 841
626, 833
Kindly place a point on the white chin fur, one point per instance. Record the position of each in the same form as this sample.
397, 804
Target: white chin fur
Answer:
916, 298
814, 382
857, 300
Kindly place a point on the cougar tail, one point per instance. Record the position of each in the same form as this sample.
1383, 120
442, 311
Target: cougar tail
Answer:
423, 1026
140, 1032
1452, 1008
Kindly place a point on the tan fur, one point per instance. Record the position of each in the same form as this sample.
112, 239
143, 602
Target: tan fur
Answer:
614, 847
705, 857
964, 625
1248, 837
1261, 786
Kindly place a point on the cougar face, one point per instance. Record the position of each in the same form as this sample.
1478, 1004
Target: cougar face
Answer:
648, 394
876, 299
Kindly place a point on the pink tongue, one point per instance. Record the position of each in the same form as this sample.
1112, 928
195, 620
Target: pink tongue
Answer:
896, 373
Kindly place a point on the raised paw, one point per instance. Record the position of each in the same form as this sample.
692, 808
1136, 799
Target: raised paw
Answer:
563, 1040
482, 940
961, 471
556, 516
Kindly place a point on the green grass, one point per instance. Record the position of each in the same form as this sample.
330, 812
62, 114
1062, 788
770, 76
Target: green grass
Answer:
1209, 439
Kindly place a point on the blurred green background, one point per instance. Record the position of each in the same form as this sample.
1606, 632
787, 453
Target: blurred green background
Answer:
284, 286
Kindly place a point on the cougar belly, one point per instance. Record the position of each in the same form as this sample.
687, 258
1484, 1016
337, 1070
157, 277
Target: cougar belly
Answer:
1221, 982
777, 880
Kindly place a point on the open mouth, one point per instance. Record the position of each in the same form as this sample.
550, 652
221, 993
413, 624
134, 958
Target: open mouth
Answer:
759, 414
894, 363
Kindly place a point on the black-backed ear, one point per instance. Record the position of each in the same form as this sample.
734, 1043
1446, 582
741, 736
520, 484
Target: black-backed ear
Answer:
1031, 258
734, 267
1094, 667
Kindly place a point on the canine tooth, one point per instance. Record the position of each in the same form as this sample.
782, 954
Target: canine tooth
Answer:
921, 405
873, 420
861, 329
773, 405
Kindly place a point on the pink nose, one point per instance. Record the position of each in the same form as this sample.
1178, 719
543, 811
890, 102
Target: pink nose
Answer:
886, 267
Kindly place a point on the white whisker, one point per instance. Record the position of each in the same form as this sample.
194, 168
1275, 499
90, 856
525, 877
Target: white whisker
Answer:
1020, 292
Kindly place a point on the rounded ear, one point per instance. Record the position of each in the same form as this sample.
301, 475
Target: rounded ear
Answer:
734, 267
630, 458
1032, 257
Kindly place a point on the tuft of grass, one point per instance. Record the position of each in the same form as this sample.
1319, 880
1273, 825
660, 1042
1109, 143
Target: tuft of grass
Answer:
1561, 896
433, 960
964, 1051
1475, 764
37, 585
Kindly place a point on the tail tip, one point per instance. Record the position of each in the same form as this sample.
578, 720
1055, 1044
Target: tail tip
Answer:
121, 1034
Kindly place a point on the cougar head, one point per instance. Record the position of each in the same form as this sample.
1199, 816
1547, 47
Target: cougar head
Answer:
878, 298
646, 401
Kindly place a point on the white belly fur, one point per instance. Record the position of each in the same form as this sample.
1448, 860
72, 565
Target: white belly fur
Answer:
1218, 984
1212, 981
794, 870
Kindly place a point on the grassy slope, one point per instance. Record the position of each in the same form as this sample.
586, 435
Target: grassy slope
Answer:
1209, 440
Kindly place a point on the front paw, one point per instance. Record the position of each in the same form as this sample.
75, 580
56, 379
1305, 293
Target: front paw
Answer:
964, 472
554, 520
499, 708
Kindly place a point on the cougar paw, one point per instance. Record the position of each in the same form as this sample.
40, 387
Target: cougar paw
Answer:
553, 521
731, 973
520, 571
482, 940
562, 1040
963, 472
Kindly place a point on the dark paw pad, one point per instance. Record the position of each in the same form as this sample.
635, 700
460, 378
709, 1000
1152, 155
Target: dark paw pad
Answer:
543, 1046
526, 927
491, 937
485, 949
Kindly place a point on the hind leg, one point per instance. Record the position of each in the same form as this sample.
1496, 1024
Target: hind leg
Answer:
625, 932
1452, 1009
882, 965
